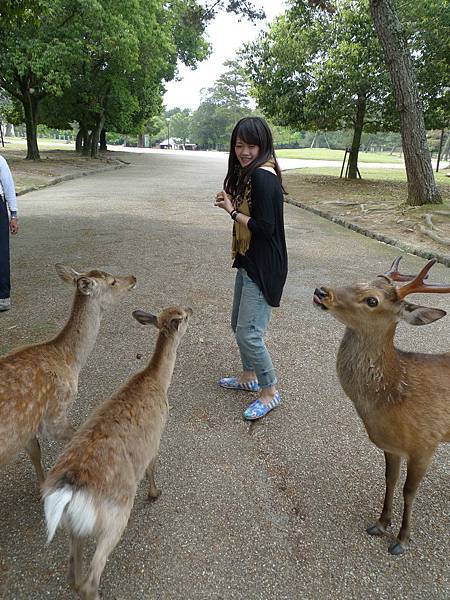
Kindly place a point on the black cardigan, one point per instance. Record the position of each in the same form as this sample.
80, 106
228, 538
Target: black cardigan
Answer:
266, 260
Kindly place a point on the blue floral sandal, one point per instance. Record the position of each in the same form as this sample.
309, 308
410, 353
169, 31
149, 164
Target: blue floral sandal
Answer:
233, 383
258, 409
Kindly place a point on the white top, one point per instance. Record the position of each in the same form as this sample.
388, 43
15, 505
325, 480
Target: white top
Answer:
7, 188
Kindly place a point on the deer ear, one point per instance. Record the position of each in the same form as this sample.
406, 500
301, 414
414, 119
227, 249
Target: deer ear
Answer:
420, 315
86, 285
145, 318
67, 274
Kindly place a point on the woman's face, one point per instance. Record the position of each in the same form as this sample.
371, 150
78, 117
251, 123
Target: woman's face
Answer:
245, 153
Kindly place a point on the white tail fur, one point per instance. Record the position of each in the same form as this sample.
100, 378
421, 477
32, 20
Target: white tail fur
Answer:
54, 505
80, 515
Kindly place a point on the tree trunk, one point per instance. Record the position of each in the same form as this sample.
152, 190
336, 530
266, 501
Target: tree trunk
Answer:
357, 133
103, 145
9, 132
141, 140
79, 141
95, 136
87, 143
445, 151
30, 105
419, 171
86, 151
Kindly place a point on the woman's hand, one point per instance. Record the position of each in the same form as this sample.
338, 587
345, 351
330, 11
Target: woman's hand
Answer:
14, 226
223, 200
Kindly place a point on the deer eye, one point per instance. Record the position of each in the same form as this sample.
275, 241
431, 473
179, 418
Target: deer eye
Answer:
371, 301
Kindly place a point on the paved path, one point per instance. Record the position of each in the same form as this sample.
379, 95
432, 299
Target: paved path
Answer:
285, 163
271, 511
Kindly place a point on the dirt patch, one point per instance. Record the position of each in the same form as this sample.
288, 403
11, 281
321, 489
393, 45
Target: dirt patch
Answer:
54, 166
377, 208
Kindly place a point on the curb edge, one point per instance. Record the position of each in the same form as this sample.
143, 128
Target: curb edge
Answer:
441, 258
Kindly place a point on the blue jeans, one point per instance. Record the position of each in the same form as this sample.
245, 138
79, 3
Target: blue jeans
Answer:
249, 320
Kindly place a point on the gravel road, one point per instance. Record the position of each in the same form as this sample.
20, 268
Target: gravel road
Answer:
273, 510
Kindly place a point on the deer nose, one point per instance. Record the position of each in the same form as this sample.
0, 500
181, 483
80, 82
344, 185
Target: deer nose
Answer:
319, 296
320, 293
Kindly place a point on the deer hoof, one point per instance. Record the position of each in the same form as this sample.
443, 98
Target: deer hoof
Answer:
152, 496
376, 529
396, 549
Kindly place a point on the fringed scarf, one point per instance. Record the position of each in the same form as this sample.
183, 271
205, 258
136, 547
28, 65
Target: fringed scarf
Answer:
243, 203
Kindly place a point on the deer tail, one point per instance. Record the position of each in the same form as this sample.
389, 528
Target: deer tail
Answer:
75, 508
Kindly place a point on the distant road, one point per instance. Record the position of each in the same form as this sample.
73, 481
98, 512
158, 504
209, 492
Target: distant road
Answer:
285, 163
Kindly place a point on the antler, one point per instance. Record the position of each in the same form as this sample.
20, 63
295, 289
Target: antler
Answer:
393, 273
417, 285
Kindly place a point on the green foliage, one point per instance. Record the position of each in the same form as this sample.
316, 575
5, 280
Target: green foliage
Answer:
37, 52
427, 28
311, 66
10, 111
180, 125
102, 63
222, 106
13, 10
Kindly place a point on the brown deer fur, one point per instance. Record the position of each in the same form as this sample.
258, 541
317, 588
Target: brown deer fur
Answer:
403, 398
92, 486
39, 382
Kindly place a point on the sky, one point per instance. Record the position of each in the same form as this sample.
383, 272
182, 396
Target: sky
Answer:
226, 36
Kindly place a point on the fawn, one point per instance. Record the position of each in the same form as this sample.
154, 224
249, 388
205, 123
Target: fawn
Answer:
403, 398
92, 486
39, 382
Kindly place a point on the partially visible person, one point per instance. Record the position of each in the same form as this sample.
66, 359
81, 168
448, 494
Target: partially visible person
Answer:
253, 197
8, 224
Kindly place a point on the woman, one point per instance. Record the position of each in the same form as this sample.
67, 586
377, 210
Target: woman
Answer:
253, 197
8, 224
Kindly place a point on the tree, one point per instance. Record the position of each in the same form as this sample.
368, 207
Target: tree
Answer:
426, 26
180, 124
222, 105
109, 75
323, 71
36, 55
422, 187
232, 87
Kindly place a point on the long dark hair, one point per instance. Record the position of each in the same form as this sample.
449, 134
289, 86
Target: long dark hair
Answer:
251, 130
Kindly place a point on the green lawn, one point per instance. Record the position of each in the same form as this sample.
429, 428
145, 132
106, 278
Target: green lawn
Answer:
338, 155
379, 174
43, 143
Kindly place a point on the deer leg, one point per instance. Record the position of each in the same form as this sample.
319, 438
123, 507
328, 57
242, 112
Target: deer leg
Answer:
34, 452
60, 429
392, 473
56, 423
107, 541
153, 491
416, 470
75, 570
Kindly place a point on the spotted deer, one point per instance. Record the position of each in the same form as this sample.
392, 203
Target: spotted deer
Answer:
91, 488
39, 382
403, 398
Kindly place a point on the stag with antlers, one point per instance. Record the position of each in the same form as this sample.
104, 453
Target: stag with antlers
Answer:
403, 398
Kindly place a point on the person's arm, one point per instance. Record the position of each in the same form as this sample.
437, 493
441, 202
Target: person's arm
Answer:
10, 195
264, 199
223, 200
